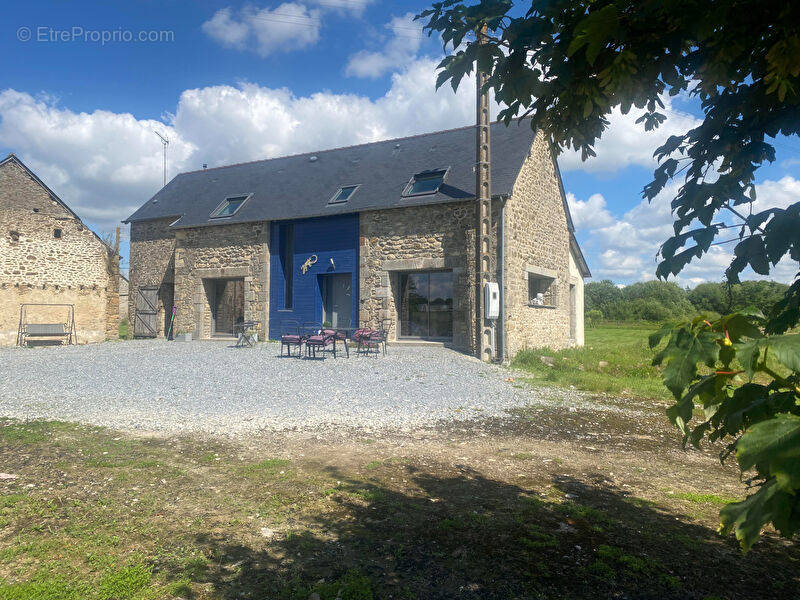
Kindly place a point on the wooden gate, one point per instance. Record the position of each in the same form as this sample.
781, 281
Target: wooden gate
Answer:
145, 322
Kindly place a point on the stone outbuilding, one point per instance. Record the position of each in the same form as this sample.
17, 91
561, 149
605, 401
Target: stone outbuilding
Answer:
376, 234
49, 256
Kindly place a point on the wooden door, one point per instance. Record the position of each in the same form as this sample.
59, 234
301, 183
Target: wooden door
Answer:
145, 322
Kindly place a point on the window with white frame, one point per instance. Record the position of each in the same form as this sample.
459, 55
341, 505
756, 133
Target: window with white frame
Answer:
343, 194
229, 206
427, 182
542, 289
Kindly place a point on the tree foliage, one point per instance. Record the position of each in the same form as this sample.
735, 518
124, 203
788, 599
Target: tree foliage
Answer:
655, 301
722, 298
746, 397
567, 64
661, 301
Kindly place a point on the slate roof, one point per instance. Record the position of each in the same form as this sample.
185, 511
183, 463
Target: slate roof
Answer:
300, 186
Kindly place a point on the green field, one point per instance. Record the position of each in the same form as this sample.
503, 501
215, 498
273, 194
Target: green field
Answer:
623, 347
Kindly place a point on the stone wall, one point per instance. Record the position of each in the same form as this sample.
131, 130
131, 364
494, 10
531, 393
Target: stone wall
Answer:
537, 240
220, 252
123, 298
152, 264
576, 279
418, 238
47, 255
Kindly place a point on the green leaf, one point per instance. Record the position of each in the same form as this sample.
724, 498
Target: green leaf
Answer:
773, 447
747, 518
748, 354
786, 349
687, 348
655, 338
740, 324
594, 32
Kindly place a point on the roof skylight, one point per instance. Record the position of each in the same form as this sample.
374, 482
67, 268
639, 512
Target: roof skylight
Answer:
229, 206
424, 183
343, 195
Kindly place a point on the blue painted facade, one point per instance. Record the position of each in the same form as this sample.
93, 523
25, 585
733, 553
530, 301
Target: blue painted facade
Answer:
334, 241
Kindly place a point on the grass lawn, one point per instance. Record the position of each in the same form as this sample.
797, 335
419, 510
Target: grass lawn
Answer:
514, 512
623, 347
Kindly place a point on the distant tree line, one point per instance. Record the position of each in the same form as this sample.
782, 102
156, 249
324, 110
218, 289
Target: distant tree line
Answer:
661, 300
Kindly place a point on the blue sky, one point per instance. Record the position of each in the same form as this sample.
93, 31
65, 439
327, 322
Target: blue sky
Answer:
232, 81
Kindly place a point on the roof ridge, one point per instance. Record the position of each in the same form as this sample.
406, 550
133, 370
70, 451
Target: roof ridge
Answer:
336, 149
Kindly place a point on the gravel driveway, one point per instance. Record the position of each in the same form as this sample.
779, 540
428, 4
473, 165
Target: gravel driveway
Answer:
155, 385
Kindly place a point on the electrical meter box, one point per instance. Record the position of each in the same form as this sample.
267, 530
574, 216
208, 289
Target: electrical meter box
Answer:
491, 300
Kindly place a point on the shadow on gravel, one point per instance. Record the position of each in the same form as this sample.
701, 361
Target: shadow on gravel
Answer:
475, 538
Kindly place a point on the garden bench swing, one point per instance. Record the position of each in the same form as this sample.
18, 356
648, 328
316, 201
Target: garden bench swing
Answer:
63, 331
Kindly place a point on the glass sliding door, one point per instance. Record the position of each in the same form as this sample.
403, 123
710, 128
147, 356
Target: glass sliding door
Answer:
426, 309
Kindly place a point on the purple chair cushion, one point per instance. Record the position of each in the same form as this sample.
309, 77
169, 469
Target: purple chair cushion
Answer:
362, 334
290, 339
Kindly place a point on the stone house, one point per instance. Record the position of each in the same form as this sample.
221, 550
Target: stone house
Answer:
49, 256
362, 235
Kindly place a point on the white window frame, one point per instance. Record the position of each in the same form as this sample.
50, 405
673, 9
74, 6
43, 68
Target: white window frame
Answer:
407, 194
333, 200
219, 207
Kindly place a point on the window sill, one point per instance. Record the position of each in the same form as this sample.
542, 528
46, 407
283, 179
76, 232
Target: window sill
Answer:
550, 306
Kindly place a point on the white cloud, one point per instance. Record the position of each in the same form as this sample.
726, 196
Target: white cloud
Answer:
589, 214
354, 7
624, 248
229, 124
400, 49
777, 194
102, 164
227, 29
289, 26
105, 165
626, 143
790, 162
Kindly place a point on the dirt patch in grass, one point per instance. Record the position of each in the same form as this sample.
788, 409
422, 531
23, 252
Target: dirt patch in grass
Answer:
544, 504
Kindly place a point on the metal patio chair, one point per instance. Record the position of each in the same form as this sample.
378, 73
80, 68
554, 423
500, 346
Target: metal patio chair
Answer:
373, 341
359, 336
291, 337
342, 334
318, 339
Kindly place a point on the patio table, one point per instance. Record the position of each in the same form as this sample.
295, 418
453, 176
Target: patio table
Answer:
342, 334
245, 334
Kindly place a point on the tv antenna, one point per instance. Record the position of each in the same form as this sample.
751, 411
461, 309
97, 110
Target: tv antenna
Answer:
165, 143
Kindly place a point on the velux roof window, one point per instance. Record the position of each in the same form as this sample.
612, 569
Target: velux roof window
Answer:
343, 194
229, 206
427, 182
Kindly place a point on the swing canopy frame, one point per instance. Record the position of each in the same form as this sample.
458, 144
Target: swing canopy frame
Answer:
52, 331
